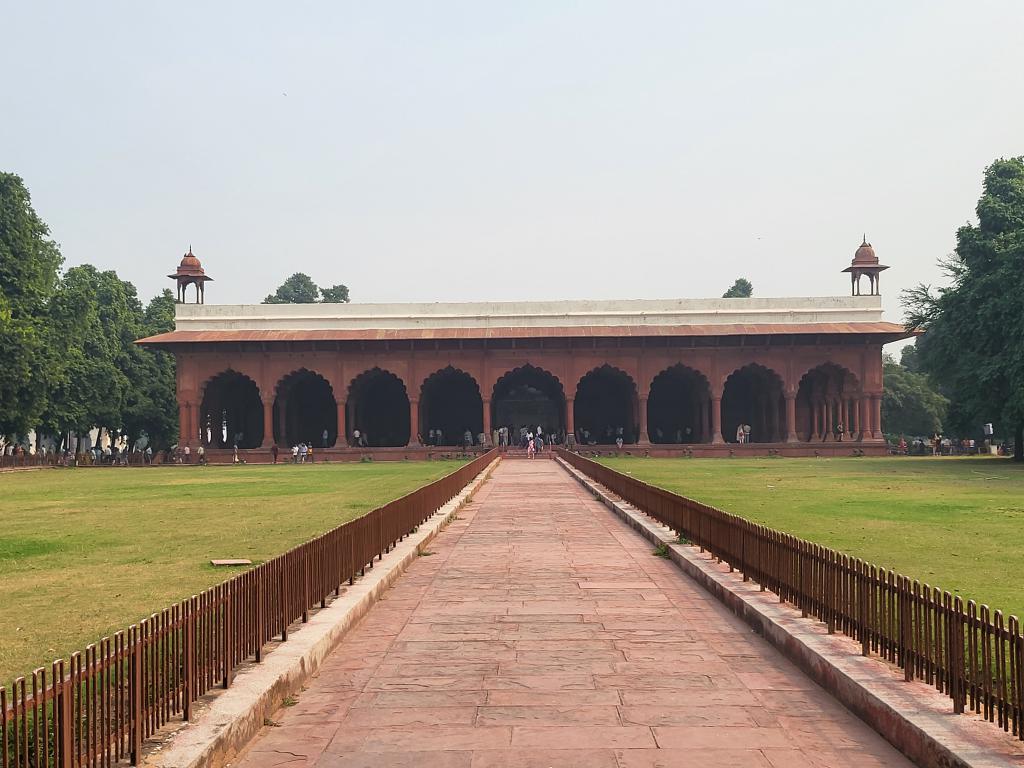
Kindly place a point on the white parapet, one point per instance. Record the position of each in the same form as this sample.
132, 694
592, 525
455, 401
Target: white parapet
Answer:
529, 314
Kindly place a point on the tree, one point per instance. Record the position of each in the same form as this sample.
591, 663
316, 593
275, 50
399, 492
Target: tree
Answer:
336, 294
741, 289
152, 405
300, 289
29, 263
910, 404
297, 289
974, 342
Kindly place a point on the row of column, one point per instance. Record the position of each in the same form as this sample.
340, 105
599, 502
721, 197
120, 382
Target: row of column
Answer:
860, 415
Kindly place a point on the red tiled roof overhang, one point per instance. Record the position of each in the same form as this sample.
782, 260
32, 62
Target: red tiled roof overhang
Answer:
892, 332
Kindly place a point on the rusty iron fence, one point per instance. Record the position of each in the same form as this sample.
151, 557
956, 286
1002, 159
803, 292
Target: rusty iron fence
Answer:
97, 707
972, 654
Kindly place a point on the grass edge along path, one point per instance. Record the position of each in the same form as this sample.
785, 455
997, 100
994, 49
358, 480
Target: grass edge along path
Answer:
954, 523
86, 553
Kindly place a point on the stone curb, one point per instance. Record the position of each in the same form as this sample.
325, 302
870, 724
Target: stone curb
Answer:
913, 717
235, 716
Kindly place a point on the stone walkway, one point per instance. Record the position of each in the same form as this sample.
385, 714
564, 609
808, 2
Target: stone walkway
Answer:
543, 632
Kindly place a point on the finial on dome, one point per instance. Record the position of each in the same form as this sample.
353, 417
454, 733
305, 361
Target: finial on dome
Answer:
863, 242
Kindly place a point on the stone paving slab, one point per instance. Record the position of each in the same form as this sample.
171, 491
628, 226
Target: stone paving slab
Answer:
544, 632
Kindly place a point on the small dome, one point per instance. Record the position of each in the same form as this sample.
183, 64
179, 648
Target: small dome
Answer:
188, 260
865, 254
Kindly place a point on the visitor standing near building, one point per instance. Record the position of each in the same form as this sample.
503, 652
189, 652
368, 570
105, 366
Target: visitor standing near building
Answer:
355, 437
309, 453
531, 449
295, 454
467, 439
188, 455
746, 434
840, 431
149, 454
324, 437
273, 452
303, 450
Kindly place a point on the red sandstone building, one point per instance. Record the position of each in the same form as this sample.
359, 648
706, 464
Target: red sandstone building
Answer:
671, 375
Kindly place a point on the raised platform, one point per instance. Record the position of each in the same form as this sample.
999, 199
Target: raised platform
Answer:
699, 450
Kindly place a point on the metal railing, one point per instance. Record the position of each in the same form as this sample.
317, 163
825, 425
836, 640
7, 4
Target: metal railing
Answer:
972, 654
96, 708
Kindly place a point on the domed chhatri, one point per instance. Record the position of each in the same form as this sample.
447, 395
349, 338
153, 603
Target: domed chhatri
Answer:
865, 262
190, 272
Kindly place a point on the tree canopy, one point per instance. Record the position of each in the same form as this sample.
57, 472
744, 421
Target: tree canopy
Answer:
741, 289
974, 342
67, 342
300, 289
910, 404
29, 264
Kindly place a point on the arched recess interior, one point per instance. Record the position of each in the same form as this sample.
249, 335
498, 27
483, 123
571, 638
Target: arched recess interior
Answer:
379, 408
231, 412
828, 396
304, 407
679, 407
528, 397
451, 402
606, 403
753, 396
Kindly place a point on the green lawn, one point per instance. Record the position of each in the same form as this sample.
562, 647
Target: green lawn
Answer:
956, 523
85, 552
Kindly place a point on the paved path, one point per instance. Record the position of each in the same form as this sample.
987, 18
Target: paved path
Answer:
543, 632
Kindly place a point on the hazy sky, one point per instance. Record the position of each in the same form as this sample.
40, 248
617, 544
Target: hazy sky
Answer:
459, 151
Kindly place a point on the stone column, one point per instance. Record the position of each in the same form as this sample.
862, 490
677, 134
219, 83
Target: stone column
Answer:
865, 417
716, 420
854, 427
827, 435
570, 419
643, 438
487, 418
791, 436
773, 418
705, 421
876, 416
414, 423
282, 421
815, 416
182, 423
268, 423
341, 441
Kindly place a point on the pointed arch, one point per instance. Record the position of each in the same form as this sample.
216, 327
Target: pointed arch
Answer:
828, 404
528, 396
304, 409
679, 406
753, 397
378, 408
606, 405
450, 403
231, 411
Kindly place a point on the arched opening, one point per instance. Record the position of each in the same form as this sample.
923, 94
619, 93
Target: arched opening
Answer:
232, 412
450, 405
679, 407
528, 397
606, 407
753, 398
304, 410
827, 405
379, 409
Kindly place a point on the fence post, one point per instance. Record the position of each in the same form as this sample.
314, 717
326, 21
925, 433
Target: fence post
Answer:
136, 727
283, 598
227, 644
188, 650
67, 735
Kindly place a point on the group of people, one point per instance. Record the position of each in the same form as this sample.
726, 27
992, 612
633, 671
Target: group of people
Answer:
301, 453
940, 445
